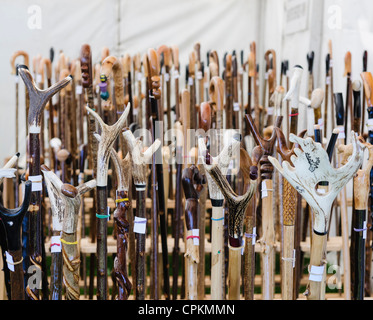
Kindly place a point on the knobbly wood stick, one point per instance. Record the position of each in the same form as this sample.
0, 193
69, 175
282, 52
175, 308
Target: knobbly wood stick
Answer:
154, 94
108, 137
311, 166
140, 161
192, 182
348, 109
124, 172
12, 222
237, 107
237, 206
92, 143
359, 226
267, 240
289, 216
38, 100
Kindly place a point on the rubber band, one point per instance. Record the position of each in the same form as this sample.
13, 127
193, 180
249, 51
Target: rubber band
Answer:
250, 236
55, 244
192, 237
220, 219
294, 115
102, 216
121, 200
70, 243
14, 263
360, 230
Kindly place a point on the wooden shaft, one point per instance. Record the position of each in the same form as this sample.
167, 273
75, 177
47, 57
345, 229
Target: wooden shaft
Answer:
267, 242
140, 248
359, 255
317, 259
217, 254
234, 273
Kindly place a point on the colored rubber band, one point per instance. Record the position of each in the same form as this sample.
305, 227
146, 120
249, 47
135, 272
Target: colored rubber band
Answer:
66, 242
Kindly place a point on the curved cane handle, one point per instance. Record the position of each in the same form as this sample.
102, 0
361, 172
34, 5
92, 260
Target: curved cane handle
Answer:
16, 54
368, 86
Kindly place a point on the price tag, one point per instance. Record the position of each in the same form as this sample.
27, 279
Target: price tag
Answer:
176, 74
9, 260
264, 190
243, 247
365, 230
166, 77
316, 273
38, 78
56, 244
195, 233
139, 225
139, 76
327, 80
78, 90
253, 240
37, 184
236, 106
190, 81
16, 79
370, 123
199, 75
342, 134
270, 111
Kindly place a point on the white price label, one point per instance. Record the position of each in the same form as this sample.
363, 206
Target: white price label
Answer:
78, 90
56, 244
316, 273
9, 260
139, 225
264, 190
199, 75
236, 106
37, 184
195, 234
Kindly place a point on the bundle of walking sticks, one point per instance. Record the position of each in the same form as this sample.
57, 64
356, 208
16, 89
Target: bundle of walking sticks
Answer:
139, 183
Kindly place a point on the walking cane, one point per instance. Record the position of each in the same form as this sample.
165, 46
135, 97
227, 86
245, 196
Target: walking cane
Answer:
124, 172
312, 166
12, 222
16, 78
270, 55
156, 115
192, 182
268, 238
348, 109
310, 60
108, 137
359, 226
340, 112
368, 97
237, 206
38, 100
140, 161
365, 68
290, 200
222, 160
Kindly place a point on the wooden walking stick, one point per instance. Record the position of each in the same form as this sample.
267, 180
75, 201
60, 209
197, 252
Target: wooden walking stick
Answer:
192, 182
156, 115
327, 88
38, 100
237, 206
267, 240
176, 67
108, 137
12, 223
348, 109
310, 60
222, 160
359, 224
365, 69
312, 166
356, 91
140, 161
290, 199
270, 55
16, 78
25, 56
124, 172
340, 112
368, 97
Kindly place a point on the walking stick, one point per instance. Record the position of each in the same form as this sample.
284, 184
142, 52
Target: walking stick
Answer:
25, 56
38, 100
175, 62
310, 60
356, 92
154, 96
108, 137
338, 99
123, 170
16, 78
270, 55
267, 240
359, 227
237, 206
140, 161
368, 97
12, 223
192, 182
312, 166
289, 212
348, 109
365, 68
222, 160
